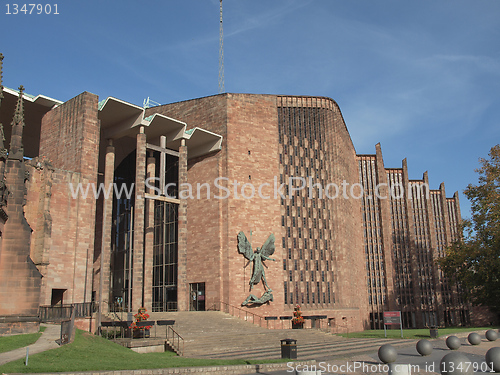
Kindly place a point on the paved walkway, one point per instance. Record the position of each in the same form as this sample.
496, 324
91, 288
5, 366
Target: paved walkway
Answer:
45, 342
370, 364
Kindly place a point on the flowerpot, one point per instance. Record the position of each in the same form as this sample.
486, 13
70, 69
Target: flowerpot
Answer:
142, 334
297, 325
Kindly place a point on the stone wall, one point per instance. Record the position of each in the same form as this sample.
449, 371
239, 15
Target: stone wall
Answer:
62, 218
16, 325
250, 154
61, 243
19, 278
252, 148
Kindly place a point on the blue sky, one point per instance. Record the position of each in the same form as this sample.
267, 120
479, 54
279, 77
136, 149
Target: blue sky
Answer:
421, 77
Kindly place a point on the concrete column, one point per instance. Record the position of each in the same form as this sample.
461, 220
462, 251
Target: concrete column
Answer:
138, 249
149, 238
182, 287
107, 223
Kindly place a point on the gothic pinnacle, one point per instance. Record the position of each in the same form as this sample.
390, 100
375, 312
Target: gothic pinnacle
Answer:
16, 140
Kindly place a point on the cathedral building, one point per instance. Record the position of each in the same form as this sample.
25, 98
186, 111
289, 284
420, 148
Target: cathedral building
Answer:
235, 200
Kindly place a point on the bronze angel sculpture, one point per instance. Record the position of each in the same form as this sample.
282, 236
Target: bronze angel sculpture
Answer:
262, 253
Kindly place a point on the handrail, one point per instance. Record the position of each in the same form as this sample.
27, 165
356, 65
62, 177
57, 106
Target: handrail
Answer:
63, 312
179, 338
228, 307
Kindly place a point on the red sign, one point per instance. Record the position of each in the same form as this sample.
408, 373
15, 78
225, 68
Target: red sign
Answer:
392, 317
392, 313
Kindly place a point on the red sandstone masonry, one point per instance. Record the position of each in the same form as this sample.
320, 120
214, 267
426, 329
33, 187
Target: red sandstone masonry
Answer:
249, 123
205, 224
346, 219
385, 214
149, 239
37, 212
70, 139
182, 250
19, 278
70, 135
139, 212
66, 260
252, 126
203, 215
434, 254
413, 251
107, 219
214, 224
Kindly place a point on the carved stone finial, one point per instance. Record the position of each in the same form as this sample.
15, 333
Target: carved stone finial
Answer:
16, 140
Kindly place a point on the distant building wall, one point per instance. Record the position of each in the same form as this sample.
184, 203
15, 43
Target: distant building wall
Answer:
407, 227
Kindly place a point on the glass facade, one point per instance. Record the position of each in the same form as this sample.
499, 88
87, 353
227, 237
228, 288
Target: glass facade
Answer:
165, 237
165, 257
122, 235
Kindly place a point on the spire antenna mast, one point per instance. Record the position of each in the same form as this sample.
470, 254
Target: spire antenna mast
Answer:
221, 54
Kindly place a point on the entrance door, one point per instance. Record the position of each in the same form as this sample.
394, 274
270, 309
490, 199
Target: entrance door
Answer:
57, 297
197, 297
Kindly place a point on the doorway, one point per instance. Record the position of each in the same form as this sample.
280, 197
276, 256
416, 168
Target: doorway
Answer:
57, 297
197, 297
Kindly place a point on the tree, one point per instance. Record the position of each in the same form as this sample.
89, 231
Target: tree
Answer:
473, 260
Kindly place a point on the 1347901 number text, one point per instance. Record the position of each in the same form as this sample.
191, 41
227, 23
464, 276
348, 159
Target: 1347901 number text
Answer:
31, 9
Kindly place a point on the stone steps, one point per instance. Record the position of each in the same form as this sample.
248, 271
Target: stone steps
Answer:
213, 334
303, 351
270, 347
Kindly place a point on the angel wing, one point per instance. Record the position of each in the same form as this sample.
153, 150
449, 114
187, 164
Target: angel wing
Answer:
268, 247
244, 246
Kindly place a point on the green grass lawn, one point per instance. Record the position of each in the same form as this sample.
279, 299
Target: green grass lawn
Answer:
93, 353
9, 343
411, 333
